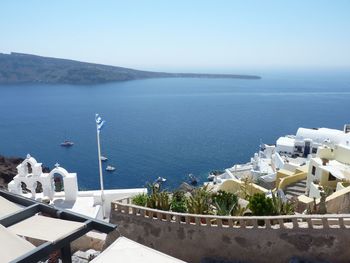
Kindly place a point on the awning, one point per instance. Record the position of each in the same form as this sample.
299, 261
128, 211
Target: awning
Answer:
24, 217
8, 207
128, 251
12, 246
45, 228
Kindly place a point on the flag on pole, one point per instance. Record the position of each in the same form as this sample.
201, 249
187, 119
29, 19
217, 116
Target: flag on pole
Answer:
99, 122
99, 125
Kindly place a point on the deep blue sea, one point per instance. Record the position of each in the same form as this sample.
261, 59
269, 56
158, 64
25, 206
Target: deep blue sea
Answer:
166, 127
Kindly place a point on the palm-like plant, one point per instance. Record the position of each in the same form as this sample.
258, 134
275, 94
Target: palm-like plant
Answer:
281, 207
225, 203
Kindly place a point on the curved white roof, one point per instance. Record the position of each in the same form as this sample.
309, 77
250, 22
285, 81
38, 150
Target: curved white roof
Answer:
322, 134
59, 170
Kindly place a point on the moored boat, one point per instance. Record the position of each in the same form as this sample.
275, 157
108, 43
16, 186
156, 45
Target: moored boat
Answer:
110, 168
160, 180
67, 143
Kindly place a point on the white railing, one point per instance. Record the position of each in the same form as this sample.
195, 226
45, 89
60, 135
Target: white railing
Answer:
124, 206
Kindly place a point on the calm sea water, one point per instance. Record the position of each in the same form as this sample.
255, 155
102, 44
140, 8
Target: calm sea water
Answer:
165, 127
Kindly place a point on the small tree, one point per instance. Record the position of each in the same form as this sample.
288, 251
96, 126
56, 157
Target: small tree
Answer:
246, 189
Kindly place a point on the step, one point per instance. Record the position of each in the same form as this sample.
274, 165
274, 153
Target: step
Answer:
294, 194
295, 189
299, 184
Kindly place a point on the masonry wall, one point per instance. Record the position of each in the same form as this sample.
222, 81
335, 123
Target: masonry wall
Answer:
192, 243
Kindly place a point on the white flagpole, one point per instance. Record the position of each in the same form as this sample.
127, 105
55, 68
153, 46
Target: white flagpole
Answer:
100, 168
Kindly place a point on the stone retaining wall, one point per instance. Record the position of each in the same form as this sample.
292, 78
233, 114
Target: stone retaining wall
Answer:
248, 239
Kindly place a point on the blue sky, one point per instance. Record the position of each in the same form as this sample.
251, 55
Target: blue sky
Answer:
182, 35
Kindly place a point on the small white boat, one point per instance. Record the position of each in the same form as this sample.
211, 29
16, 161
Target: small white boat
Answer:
160, 180
67, 143
110, 168
103, 158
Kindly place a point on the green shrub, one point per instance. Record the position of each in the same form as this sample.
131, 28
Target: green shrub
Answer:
140, 199
178, 202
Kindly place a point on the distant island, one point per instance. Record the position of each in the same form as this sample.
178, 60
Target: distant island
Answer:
18, 68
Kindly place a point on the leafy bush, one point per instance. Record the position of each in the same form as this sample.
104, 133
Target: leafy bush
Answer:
178, 202
225, 203
140, 199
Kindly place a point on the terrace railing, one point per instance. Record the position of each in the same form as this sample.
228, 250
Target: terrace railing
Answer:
314, 221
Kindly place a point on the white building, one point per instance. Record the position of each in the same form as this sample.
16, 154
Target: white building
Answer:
290, 153
306, 141
330, 169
